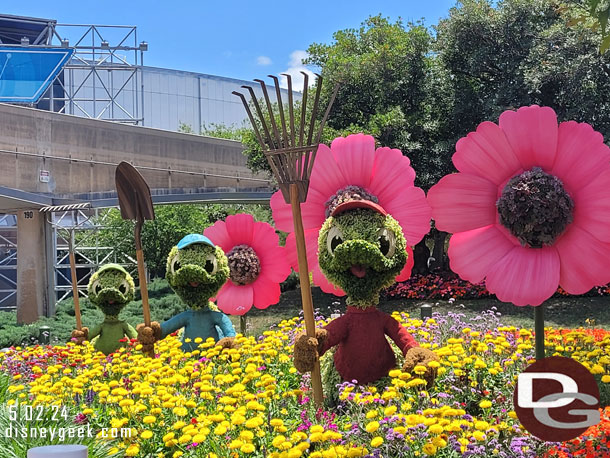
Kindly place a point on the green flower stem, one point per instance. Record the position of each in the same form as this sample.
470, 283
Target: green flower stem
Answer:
539, 328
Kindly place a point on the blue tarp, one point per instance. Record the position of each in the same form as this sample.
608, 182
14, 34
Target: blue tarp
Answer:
26, 72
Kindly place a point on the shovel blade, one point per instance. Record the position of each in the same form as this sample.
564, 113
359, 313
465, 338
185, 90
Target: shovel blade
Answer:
133, 193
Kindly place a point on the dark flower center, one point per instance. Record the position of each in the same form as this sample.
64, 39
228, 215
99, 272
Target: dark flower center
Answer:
244, 265
535, 208
345, 195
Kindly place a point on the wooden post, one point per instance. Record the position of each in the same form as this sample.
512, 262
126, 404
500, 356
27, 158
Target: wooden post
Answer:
310, 324
243, 324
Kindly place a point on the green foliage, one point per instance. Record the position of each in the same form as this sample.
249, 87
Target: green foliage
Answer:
358, 242
196, 273
172, 222
592, 14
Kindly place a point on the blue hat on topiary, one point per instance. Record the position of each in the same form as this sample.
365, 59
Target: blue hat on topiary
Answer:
192, 239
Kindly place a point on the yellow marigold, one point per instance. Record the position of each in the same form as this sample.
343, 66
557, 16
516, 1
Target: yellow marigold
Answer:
479, 435
247, 448
278, 440
376, 441
606, 379
132, 450
149, 420
436, 429
429, 449
372, 426
146, 434
316, 429
485, 404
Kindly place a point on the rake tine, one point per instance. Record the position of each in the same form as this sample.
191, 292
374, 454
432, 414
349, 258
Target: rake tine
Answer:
292, 156
290, 101
249, 112
270, 109
314, 111
326, 113
260, 116
322, 123
303, 107
278, 94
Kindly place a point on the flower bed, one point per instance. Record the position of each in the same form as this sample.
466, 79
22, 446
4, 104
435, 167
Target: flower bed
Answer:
251, 402
447, 285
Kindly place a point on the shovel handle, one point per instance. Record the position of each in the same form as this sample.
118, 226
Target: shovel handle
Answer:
143, 288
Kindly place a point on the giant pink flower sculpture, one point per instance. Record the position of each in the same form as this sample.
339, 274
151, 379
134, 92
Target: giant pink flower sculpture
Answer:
257, 263
530, 207
353, 168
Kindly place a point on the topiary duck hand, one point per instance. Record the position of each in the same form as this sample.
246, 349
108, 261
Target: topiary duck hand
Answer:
148, 335
81, 335
418, 356
227, 342
307, 350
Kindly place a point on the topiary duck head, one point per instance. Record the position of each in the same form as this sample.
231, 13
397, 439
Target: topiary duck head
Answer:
361, 250
111, 288
196, 270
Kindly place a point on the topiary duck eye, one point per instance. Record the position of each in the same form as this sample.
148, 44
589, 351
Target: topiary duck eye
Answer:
124, 287
334, 239
210, 264
96, 287
387, 242
175, 265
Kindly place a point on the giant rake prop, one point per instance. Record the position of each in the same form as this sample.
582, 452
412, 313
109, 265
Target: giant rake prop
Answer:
290, 149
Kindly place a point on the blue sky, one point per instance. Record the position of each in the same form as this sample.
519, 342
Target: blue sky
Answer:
238, 39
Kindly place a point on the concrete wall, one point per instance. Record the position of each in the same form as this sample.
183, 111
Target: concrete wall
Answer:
85, 144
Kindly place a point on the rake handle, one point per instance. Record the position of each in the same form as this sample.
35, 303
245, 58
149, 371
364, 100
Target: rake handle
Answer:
310, 324
79, 324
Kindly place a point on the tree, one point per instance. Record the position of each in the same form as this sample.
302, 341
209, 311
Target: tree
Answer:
383, 70
514, 53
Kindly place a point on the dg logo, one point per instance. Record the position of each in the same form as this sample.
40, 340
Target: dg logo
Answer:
556, 399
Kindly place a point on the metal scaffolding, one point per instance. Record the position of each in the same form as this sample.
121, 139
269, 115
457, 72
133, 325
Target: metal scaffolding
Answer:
103, 80
83, 226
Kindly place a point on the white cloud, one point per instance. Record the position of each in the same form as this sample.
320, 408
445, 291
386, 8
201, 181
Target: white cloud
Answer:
263, 60
295, 67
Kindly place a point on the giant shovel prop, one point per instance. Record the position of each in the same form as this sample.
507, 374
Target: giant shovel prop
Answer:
290, 149
136, 205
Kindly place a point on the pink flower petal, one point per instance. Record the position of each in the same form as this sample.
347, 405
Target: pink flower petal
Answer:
525, 276
235, 300
218, 234
532, 134
391, 174
405, 273
592, 206
462, 202
473, 253
281, 212
585, 261
311, 246
487, 153
581, 155
413, 213
240, 228
320, 280
266, 292
264, 237
355, 155
274, 264
326, 177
